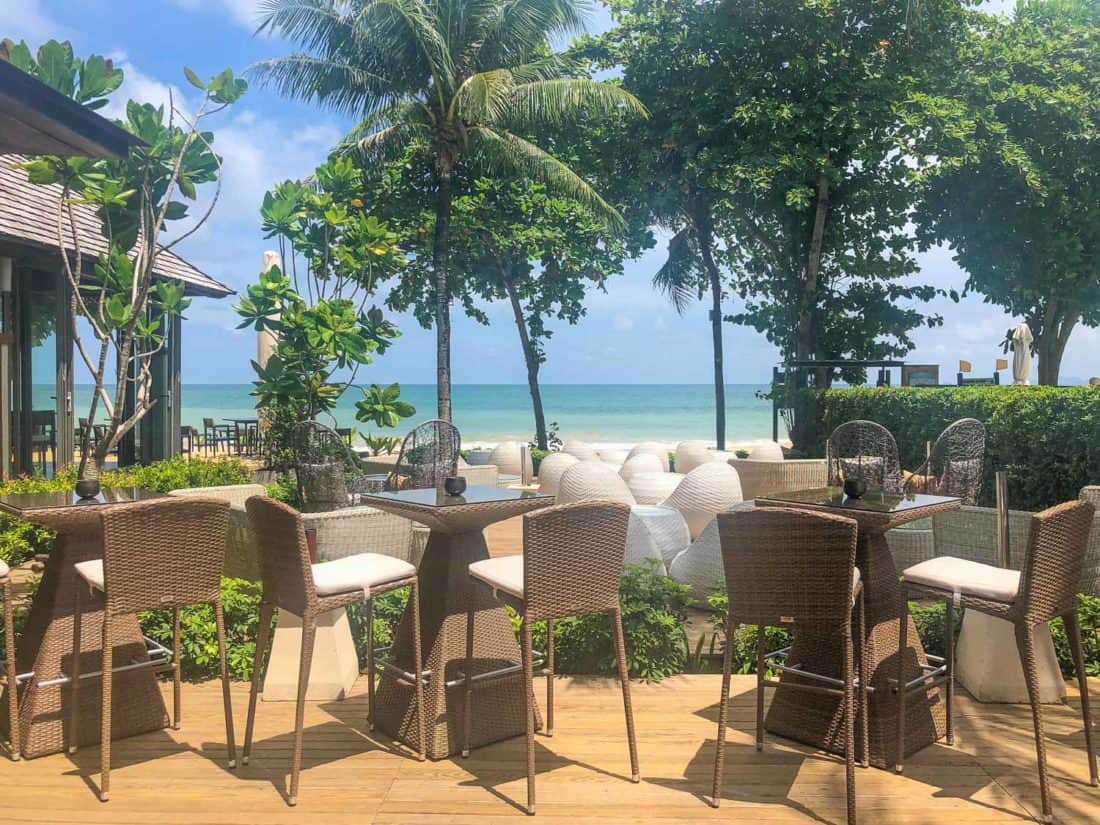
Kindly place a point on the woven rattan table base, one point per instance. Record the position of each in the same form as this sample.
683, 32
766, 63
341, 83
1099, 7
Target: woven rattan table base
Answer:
445, 594
816, 719
47, 642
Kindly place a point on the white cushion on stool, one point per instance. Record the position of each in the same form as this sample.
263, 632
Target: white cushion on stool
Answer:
359, 572
965, 578
4, 570
504, 573
91, 572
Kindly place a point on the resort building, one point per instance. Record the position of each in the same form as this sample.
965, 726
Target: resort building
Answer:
38, 413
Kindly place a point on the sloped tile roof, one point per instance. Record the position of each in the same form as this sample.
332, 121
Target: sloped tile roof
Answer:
28, 215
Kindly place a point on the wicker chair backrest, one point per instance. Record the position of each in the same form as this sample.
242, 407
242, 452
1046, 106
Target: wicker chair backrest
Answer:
428, 455
786, 567
865, 450
163, 553
284, 554
958, 461
1055, 558
573, 558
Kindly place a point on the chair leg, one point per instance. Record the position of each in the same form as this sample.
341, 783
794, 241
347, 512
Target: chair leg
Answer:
549, 677
309, 631
849, 725
418, 672
468, 684
903, 644
370, 664
105, 716
949, 636
230, 739
266, 612
13, 686
1025, 641
1073, 630
723, 708
176, 668
74, 690
624, 680
760, 631
529, 706
864, 685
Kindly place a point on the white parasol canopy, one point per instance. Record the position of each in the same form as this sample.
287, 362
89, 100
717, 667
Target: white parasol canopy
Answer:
265, 340
1021, 354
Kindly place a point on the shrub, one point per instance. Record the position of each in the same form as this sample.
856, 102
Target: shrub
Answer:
654, 610
1044, 437
284, 489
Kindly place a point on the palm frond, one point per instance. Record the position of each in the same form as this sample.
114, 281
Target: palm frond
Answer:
522, 27
483, 97
314, 24
552, 101
497, 150
339, 86
386, 133
388, 24
679, 275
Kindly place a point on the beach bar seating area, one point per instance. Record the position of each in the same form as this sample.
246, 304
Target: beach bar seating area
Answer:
851, 719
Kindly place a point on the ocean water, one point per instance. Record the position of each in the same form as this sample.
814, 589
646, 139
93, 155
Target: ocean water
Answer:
609, 413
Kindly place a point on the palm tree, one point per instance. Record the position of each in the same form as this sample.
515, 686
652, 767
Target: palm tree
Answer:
464, 78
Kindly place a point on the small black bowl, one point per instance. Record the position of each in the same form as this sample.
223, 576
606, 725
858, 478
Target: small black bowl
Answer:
454, 485
87, 487
855, 487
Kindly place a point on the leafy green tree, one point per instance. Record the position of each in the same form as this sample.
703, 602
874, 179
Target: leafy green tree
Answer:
1013, 186
334, 256
127, 311
781, 118
463, 79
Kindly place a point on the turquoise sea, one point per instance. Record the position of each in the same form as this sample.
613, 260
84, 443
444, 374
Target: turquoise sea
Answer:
492, 412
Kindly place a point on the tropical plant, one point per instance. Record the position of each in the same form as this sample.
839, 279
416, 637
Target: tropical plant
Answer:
334, 255
1012, 183
461, 80
126, 309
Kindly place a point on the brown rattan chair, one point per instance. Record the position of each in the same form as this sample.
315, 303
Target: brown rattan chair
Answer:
956, 463
794, 569
571, 565
429, 454
866, 450
157, 555
10, 682
1045, 588
293, 583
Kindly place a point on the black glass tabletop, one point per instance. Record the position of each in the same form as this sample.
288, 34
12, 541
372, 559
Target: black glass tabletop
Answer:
438, 497
17, 503
873, 501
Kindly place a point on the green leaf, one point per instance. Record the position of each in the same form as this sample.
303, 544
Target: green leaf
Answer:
193, 78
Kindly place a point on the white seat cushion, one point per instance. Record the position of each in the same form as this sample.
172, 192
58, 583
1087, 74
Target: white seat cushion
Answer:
855, 583
91, 572
359, 572
503, 574
965, 578
4, 570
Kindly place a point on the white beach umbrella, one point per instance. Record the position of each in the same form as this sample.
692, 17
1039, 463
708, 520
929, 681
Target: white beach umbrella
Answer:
265, 340
1021, 354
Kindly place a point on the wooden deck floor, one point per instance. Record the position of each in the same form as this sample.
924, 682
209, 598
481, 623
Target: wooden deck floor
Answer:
351, 776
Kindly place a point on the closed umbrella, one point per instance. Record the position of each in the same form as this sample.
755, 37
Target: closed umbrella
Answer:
1021, 354
265, 339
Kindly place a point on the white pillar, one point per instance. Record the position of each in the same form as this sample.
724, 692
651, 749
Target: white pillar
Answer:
265, 340
335, 665
987, 662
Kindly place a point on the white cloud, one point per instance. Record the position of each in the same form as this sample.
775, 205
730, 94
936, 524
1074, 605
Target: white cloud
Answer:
244, 12
622, 323
25, 20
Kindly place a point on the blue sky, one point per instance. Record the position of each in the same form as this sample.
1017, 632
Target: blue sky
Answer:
630, 335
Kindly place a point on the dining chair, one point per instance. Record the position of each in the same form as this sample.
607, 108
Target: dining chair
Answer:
1045, 588
11, 684
429, 454
795, 569
306, 589
571, 564
214, 434
866, 450
955, 463
163, 554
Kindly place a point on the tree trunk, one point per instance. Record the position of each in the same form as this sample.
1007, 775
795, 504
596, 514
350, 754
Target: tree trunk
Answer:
1051, 346
531, 359
806, 346
704, 231
442, 293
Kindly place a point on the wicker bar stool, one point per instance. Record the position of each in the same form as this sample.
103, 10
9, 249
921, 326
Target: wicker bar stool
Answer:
157, 555
10, 682
795, 569
1044, 589
571, 565
293, 583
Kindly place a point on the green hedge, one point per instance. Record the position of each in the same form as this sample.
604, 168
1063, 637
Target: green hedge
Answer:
1045, 437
